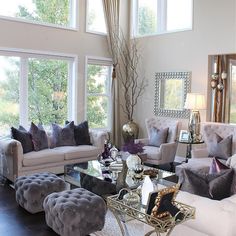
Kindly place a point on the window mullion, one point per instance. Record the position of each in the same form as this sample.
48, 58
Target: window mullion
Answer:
162, 15
23, 92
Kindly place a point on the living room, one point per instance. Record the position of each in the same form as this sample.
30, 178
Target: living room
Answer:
213, 32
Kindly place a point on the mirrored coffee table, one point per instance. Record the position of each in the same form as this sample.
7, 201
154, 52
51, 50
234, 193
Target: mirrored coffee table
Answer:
103, 180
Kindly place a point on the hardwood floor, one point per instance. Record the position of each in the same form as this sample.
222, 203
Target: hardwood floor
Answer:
15, 221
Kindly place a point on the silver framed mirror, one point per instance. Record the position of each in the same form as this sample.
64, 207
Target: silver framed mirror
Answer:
171, 89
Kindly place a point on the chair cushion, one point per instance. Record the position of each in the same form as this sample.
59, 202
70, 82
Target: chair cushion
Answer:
153, 152
23, 137
63, 136
220, 147
158, 136
39, 137
74, 152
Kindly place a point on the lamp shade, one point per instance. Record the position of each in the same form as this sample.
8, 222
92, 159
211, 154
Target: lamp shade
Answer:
195, 101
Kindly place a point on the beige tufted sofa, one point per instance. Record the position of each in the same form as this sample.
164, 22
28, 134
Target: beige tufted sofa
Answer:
49, 160
166, 152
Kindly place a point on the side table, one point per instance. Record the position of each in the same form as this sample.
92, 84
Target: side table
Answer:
189, 147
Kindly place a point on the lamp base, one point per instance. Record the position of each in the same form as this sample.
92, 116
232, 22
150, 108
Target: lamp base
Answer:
194, 126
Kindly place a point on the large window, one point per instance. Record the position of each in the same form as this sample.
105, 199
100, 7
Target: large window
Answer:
99, 93
34, 88
52, 12
161, 16
95, 17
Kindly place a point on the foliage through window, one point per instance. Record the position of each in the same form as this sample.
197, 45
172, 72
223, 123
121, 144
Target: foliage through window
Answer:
35, 89
95, 17
56, 12
98, 94
161, 16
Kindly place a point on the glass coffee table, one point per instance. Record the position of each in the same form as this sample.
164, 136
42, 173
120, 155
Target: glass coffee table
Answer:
102, 180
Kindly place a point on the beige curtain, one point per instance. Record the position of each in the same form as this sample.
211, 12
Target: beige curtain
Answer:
112, 12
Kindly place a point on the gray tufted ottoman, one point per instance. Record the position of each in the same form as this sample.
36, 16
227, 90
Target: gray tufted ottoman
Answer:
31, 190
76, 212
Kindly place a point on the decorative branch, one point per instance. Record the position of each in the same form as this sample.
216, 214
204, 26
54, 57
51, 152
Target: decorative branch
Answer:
128, 60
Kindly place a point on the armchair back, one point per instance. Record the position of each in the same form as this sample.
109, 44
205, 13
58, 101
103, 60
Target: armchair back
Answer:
224, 130
161, 123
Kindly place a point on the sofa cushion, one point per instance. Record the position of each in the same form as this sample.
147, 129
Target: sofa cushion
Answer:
215, 186
212, 217
39, 137
42, 157
158, 136
23, 137
220, 147
81, 151
63, 136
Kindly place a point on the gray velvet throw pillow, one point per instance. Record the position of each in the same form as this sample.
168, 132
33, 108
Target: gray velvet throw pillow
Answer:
23, 137
39, 137
214, 186
63, 136
220, 147
82, 136
158, 136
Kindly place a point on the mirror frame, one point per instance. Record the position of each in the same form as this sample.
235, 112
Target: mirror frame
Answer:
159, 95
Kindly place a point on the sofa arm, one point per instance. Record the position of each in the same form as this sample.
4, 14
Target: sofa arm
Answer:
168, 151
98, 137
199, 153
144, 141
13, 152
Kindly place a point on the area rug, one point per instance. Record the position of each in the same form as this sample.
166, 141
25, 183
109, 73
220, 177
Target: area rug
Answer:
136, 228
132, 228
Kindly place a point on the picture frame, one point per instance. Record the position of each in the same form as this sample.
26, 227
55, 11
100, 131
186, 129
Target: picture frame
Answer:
159, 200
184, 136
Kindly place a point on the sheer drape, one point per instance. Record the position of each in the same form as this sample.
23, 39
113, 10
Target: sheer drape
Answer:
112, 12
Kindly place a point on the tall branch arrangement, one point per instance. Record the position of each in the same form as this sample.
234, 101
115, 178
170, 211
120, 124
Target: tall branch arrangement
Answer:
127, 62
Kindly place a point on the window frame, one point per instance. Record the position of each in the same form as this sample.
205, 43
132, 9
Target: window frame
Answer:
74, 16
87, 30
103, 61
161, 17
24, 55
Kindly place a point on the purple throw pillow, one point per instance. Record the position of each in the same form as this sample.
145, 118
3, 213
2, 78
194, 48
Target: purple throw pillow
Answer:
217, 166
23, 137
63, 136
39, 137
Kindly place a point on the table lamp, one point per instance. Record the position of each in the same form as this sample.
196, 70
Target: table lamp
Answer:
195, 102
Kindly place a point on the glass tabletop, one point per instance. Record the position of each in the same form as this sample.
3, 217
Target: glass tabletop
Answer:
109, 174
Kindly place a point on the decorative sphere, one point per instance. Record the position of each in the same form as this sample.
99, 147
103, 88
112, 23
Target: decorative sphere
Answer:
223, 75
132, 161
220, 86
213, 83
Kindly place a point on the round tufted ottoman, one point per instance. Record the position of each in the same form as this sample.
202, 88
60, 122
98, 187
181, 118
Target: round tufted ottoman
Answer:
75, 212
31, 190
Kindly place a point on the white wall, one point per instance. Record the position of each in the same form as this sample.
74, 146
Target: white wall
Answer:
31, 36
214, 32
